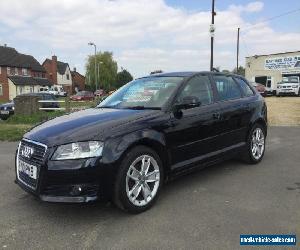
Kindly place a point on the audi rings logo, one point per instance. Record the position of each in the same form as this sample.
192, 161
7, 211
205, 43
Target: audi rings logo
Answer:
27, 152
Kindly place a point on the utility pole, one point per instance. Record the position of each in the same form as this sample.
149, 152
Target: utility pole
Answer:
93, 44
237, 50
212, 30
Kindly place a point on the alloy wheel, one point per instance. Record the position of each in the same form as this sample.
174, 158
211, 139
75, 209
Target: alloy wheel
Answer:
257, 143
142, 180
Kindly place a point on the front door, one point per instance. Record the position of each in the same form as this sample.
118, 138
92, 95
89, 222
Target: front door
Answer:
192, 134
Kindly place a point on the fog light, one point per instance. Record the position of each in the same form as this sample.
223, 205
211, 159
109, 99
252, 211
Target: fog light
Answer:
76, 190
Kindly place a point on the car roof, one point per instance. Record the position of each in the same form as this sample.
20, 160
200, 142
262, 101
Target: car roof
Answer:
187, 74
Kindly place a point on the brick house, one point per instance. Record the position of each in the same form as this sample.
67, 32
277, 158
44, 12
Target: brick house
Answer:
19, 74
58, 73
78, 81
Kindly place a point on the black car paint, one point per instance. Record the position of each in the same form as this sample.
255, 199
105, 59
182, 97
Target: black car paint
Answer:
183, 139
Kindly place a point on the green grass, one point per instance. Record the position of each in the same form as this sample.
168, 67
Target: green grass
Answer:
36, 118
13, 132
16, 126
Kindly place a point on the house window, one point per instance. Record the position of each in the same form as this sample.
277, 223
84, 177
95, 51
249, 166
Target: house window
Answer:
1, 89
24, 72
8, 70
16, 71
21, 90
68, 77
0, 70
31, 89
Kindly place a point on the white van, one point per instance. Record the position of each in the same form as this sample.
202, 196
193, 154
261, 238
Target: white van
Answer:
57, 90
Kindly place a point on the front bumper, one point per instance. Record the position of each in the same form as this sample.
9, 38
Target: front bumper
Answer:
287, 91
72, 181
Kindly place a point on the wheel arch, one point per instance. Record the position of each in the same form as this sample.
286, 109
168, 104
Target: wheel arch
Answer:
118, 148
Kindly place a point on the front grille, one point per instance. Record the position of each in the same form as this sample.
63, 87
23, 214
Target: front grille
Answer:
32, 153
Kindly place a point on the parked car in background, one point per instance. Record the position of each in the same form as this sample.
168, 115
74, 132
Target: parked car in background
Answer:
6, 110
128, 146
260, 88
44, 90
45, 97
57, 90
99, 92
83, 96
289, 86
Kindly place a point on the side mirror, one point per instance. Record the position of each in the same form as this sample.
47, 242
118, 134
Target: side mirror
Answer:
188, 102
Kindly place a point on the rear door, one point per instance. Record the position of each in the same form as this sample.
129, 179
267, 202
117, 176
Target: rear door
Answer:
234, 112
192, 134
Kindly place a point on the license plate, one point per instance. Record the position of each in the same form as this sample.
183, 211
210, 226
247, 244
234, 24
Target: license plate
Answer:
28, 169
4, 112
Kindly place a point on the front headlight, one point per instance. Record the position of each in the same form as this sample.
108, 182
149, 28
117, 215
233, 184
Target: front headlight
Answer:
278, 87
78, 150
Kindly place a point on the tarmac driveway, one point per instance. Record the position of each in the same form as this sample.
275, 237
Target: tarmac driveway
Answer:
208, 209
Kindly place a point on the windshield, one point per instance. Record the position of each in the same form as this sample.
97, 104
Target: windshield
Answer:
150, 92
290, 79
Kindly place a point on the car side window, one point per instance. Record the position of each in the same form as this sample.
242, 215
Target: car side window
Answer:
200, 87
227, 88
245, 87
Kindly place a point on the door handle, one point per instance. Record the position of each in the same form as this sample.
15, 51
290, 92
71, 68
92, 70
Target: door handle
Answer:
217, 115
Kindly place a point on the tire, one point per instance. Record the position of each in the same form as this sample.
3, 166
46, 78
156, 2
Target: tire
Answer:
134, 192
250, 155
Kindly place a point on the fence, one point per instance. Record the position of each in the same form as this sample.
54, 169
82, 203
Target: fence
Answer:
69, 106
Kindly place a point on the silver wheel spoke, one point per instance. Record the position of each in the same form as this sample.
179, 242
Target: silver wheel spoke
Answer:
134, 174
147, 166
135, 191
151, 177
146, 191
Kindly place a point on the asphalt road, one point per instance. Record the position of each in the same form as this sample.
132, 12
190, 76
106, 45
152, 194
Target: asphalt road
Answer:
208, 209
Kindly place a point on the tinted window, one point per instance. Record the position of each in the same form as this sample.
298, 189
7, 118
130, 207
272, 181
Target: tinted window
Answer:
227, 88
200, 87
245, 87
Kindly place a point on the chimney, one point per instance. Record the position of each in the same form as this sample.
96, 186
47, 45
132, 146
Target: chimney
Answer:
54, 69
74, 69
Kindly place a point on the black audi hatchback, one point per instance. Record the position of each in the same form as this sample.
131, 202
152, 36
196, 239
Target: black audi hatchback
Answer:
149, 130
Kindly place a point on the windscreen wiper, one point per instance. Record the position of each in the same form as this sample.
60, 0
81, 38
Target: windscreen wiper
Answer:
142, 107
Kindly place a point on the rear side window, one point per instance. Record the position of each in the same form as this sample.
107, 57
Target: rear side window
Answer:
227, 88
245, 87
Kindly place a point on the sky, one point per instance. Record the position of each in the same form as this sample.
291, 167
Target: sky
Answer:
171, 35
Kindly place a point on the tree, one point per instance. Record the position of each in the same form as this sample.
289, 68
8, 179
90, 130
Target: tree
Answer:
106, 71
240, 71
123, 77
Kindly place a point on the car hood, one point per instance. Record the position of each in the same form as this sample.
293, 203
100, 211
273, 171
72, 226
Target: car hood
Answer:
89, 124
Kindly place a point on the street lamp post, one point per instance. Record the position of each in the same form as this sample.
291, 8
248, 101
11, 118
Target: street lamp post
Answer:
212, 30
93, 44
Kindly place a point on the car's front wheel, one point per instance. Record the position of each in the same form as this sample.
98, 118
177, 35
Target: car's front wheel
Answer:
139, 180
255, 147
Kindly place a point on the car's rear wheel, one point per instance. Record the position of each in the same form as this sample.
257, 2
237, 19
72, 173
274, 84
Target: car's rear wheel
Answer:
255, 147
139, 180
